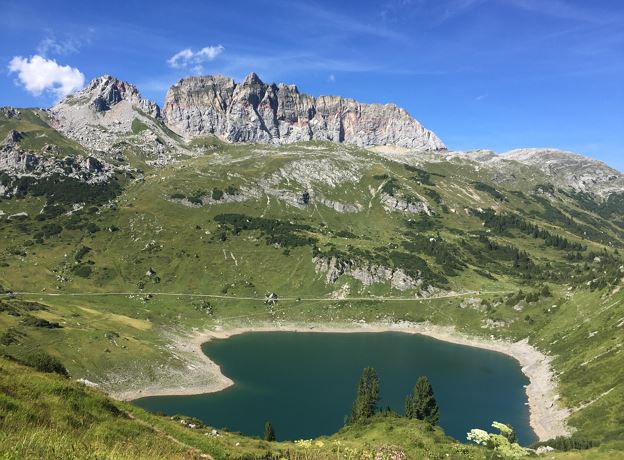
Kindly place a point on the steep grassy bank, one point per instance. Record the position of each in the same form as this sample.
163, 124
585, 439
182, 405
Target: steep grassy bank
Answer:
47, 416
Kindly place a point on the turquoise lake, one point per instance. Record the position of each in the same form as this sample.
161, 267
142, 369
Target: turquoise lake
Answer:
304, 383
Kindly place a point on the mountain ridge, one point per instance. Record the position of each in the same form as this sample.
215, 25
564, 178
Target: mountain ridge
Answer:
111, 121
278, 113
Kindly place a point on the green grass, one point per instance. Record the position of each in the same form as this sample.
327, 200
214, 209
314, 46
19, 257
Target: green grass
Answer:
33, 124
47, 416
138, 126
101, 336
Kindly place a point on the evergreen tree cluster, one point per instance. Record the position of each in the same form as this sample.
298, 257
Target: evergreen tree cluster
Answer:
446, 255
283, 233
482, 187
501, 223
420, 404
491, 251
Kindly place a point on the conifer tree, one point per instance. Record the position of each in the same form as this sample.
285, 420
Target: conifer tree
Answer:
421, 404
269, 433
367, 398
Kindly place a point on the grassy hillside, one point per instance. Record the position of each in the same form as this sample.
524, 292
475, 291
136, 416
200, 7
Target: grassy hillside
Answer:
47, 416
199, 243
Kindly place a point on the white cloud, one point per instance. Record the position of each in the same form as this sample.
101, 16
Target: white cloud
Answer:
189, 58
39, 74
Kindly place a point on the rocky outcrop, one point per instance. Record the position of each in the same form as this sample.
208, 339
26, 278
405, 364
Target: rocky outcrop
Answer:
394, 203
570, 170
16, 163
12, 138
333, 268
10, 112
532, 167
252, 111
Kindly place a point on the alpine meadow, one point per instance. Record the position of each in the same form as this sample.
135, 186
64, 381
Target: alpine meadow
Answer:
247, 271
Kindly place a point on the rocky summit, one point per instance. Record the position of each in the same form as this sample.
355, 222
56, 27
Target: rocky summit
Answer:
109, 114
252, 111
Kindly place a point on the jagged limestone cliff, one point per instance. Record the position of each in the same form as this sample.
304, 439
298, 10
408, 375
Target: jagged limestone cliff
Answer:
252, 111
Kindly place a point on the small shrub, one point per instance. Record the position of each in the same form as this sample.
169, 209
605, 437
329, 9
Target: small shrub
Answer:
83, 271
217, 194
10, 337
33, 321
92, 227
83, 251
51, 230
44, 362
566, 444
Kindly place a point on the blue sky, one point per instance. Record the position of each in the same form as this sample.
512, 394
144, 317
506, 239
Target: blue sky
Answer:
494, 74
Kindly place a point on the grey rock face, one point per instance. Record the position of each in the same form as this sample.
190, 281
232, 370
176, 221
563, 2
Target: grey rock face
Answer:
10, 112
253, 111
333, 268
533, 166
108, 112
102, 93
13, 137
16, 163
570, 170
392, 203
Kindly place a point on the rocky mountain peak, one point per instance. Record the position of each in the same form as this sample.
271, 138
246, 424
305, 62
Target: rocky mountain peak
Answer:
252, 79
108, 110
253, 111
104, 92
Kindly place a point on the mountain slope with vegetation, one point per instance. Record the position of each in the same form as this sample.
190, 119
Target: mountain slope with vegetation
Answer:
109, 255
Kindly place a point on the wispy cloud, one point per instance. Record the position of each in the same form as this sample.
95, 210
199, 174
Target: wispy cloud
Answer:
563, 9
69, 44
50, 45
391, 10
187, 58
38, 75
344, 23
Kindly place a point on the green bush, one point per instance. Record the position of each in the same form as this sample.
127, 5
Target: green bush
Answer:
49, 230
33, 321
84, 271
568, 443
217, 194
44, 362
489, 190
92, 227
81, 252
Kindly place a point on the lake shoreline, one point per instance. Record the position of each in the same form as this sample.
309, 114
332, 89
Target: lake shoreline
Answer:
547, 417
